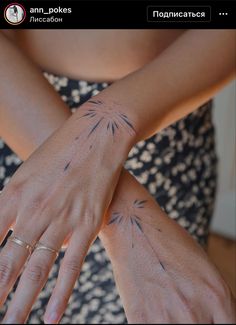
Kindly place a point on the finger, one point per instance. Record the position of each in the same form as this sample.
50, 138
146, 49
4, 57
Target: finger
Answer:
35, 275
13, 256
7, 218
68, 274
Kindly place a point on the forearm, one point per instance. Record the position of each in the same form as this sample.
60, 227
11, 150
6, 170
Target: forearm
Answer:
30, 109
87, 153
184, 76
160, 270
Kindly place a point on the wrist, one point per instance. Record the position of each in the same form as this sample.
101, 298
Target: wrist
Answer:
106, 120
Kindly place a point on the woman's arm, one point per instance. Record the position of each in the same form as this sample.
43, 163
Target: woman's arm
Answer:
65, 187
163, 275
183, 77
30, 109
180, 79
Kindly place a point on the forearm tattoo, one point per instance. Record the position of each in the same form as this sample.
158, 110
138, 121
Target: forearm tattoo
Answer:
133, 219
103, 119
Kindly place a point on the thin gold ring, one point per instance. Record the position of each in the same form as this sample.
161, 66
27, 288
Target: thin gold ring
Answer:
21, 243
40, 246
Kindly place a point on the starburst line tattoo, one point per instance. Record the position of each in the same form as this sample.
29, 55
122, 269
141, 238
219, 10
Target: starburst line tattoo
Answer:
113, 120
104, 118
67, 166
95, 126
96, 102
136, 223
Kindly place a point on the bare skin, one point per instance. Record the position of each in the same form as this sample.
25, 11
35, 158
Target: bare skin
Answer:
96, 55
152, 263
71, 143
66, 53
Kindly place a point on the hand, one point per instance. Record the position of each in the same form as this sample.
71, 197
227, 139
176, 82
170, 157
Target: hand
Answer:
163, 276
60, 194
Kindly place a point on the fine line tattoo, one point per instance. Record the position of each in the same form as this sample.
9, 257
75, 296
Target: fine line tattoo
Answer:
136, 223
113, 120
67, 166
103, 119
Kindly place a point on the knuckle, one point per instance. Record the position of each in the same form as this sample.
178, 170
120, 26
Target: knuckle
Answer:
36, 203
16, 189
72, 266
37, 273
91, 219
65, 214
11, 193
6, 271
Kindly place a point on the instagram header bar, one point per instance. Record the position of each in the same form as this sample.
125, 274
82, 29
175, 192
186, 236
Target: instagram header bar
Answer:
117, 14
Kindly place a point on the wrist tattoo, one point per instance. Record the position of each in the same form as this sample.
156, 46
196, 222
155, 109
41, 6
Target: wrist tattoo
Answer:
107, 119
133, 218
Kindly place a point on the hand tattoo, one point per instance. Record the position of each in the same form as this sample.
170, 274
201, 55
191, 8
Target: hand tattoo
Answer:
137, 224
105, 118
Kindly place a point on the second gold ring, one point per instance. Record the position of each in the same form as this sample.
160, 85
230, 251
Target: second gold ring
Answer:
40, 246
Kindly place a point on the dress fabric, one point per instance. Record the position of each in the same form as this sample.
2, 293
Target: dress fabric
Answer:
178, 166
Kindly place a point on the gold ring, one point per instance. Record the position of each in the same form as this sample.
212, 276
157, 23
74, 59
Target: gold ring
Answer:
40, 246
21, 243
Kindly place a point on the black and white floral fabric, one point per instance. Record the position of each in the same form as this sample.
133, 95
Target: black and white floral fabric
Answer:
177, 166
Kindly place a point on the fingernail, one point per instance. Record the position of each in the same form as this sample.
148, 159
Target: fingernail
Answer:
53, 318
